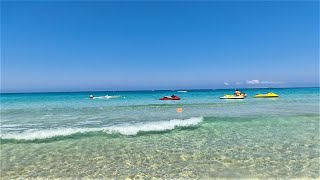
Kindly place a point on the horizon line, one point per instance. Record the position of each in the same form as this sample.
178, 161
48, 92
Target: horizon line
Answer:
157, 90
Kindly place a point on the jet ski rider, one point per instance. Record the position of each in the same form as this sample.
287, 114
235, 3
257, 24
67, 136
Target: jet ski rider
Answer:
238, 93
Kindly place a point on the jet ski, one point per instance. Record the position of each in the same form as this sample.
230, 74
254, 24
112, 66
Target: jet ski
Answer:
170, 98
227, 96
268, 95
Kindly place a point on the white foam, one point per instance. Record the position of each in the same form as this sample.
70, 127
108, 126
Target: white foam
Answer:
9, 125
121, 129
182, 91
106, 97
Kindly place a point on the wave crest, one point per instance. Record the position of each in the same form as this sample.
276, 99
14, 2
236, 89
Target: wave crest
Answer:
123, 129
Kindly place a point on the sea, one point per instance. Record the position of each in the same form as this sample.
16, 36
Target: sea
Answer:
134, 135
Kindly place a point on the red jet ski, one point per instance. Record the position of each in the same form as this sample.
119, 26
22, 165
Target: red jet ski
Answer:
173, 97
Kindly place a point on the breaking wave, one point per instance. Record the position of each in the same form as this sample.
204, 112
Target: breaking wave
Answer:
128, 130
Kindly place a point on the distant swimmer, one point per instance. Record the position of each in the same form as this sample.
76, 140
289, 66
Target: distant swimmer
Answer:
91, 96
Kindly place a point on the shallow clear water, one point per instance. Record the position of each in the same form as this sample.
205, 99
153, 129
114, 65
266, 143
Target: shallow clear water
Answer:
59, 135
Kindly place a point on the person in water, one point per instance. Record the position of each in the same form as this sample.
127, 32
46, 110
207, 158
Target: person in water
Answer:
91, 96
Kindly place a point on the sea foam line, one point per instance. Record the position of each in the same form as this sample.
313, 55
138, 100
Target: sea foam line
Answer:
121, 129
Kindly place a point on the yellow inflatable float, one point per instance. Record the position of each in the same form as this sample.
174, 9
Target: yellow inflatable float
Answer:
268, 95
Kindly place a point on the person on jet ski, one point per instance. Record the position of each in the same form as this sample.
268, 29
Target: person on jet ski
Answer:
239, 93
172, 96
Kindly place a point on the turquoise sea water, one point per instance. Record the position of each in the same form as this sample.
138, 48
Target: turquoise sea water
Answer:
63, 135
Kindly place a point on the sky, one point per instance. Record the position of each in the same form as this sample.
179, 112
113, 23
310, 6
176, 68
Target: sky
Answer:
76, 46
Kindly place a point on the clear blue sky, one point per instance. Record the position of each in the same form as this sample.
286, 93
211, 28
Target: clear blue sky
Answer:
66, 46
